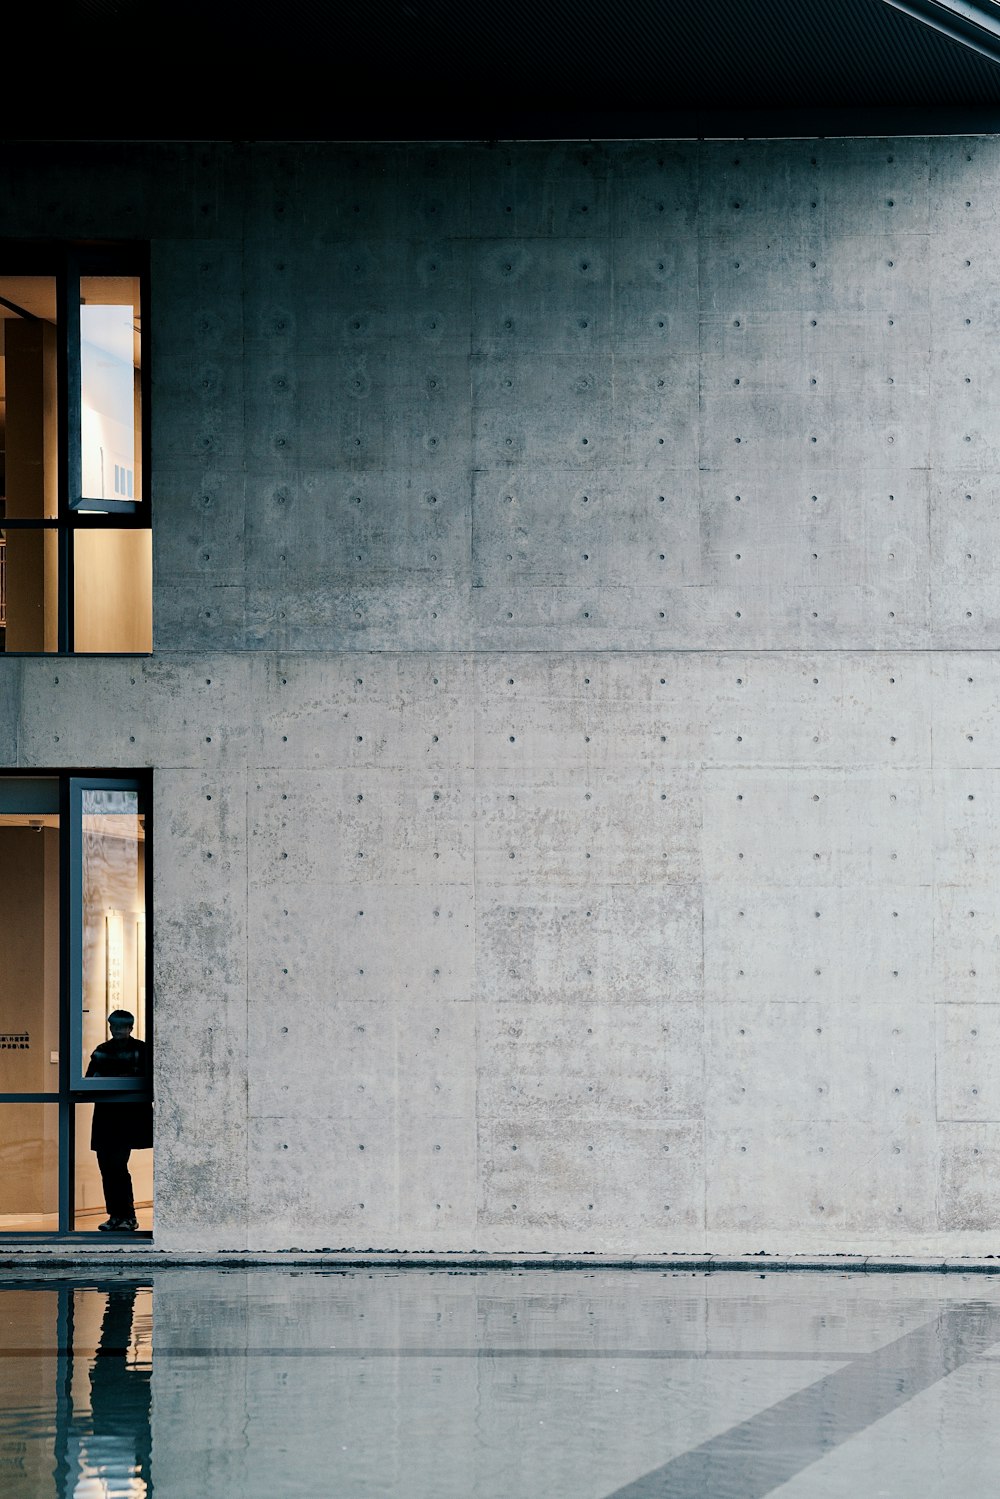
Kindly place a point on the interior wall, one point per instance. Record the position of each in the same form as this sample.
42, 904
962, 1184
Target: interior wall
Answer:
113, 590
31, 480
25, 997
574, 572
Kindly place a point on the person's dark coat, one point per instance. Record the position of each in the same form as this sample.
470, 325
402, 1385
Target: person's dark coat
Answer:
128, 1124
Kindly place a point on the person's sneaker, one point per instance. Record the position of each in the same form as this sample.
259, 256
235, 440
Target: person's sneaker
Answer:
128, 1225
112, 1226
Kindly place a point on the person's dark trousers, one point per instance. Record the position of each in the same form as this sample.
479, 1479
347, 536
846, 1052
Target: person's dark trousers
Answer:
113, 1161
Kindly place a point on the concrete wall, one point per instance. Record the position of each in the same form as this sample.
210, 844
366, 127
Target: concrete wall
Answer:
578, 560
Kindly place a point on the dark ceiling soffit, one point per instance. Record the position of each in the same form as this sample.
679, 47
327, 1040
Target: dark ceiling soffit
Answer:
972, 25
676, 125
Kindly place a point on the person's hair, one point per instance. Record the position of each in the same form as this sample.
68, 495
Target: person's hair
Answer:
122, 1015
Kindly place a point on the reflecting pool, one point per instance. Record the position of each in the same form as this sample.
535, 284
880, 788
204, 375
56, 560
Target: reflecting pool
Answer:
268, 1383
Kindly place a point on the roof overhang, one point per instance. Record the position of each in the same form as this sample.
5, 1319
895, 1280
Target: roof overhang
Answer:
973, 25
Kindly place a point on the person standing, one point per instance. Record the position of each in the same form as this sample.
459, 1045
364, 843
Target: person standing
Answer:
119, 1128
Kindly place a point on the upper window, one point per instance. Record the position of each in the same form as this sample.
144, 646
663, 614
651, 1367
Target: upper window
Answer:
75, 543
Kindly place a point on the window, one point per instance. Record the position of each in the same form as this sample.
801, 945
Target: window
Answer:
74, 873
75, 543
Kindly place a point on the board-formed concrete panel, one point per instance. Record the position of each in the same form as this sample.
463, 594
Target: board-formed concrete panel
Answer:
567, 530
825, 1183
860, 944
164, 711
852, 1061
591, 1062
589, 945
967, 1172
10, 709
565, 830
200, 1006
968, 1041
556, 1180
774, 828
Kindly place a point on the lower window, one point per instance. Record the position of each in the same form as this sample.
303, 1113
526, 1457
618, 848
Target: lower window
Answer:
75, 1011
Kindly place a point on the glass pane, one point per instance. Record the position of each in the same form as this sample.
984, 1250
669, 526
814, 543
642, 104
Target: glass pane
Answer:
113, 606
29, 945
114, 929
110, 410
29, 572
28, 462
29, 1167
114, 1169
28, 388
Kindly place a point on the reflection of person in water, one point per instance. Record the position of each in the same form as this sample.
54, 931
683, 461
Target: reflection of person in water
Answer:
120, 1401
119, 1128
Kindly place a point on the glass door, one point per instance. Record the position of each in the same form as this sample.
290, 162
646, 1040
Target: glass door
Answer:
29, 1004
75, 1033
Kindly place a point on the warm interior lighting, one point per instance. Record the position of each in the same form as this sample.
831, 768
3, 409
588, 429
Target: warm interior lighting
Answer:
111, 566
107, 393
115, 960
110, 388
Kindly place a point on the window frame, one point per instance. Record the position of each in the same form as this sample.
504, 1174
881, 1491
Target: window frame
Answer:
66, 262
73, 1089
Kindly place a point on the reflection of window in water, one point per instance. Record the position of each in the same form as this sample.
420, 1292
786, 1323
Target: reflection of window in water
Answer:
108, 1455
75, 1424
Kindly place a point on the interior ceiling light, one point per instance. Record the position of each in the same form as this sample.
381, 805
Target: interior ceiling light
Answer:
975, 25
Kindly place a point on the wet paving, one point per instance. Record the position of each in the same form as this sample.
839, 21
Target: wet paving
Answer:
462, 1384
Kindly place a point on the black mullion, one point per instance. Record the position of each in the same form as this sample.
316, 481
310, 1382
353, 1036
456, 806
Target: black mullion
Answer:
68, 420
69, 322
67, 622
67, 1164
145, 415
146, 803
96, 520
101, 509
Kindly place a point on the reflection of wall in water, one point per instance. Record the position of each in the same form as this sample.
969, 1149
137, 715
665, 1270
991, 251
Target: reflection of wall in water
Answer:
29, 1003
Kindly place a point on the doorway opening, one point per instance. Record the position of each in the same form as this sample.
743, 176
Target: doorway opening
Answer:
74, 879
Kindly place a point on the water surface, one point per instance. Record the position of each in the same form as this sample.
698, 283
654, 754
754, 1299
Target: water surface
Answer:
417, 1384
